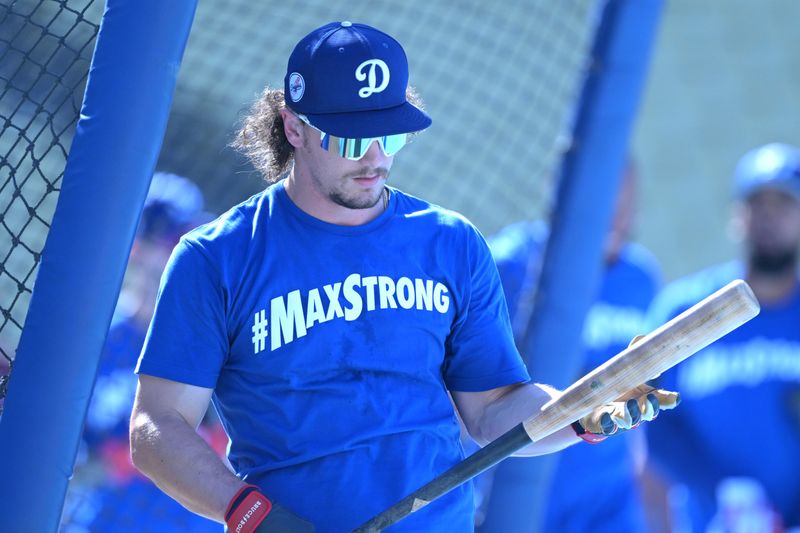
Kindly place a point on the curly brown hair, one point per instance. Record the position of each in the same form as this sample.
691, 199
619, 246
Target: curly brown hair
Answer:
262, 139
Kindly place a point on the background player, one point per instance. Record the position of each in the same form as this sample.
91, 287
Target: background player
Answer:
630, 280
328, 316
746, 462
105, 481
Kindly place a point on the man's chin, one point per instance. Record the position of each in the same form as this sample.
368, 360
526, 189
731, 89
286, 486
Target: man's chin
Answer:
358, 201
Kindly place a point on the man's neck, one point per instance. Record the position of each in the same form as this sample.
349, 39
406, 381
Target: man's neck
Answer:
772, 287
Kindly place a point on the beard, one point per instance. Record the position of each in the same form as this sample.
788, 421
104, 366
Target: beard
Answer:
356, 202
773, 262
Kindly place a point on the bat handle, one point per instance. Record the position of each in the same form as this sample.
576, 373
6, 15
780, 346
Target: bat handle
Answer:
500, 448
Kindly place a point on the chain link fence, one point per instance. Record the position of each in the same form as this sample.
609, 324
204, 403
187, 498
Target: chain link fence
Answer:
45, 49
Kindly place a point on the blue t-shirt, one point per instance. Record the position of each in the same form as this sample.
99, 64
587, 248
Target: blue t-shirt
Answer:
594, 487
737, 416
331, 350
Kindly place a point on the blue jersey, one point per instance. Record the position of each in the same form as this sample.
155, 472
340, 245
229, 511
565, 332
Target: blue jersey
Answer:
112, 399
117, 503
736, 416
594, 487
331, 350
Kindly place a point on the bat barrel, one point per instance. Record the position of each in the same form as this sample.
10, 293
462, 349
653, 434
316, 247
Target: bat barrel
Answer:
684, 335
485, 458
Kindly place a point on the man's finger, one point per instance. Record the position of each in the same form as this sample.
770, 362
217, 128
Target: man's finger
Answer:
649, 406
667, 399
607, 425
635, 410
622, 413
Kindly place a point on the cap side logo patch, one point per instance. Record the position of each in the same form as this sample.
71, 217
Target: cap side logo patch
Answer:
370, 77
297, 86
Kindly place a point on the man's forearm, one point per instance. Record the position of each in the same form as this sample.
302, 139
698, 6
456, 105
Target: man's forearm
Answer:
168, 451
517, 405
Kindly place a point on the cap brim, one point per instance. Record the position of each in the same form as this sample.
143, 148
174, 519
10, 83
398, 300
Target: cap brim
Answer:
404, 118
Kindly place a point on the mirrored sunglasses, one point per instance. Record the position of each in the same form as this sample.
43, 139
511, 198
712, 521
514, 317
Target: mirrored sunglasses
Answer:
356, 148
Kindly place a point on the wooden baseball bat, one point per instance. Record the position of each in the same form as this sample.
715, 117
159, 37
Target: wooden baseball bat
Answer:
684, 335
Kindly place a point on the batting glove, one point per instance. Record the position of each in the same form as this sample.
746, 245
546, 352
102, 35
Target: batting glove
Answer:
251, 512
640, 404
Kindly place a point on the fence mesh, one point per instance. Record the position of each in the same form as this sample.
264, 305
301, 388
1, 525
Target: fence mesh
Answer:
500, 85
45, 49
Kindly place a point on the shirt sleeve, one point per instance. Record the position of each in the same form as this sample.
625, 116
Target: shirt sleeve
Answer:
481, 354
187, 340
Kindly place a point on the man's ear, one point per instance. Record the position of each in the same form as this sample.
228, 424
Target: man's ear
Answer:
293, 128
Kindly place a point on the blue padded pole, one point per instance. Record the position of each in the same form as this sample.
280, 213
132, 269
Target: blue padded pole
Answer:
573, 261
118, 137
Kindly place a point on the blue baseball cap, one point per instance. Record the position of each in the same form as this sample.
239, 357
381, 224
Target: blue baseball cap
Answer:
774, 166
173, 206
350, 80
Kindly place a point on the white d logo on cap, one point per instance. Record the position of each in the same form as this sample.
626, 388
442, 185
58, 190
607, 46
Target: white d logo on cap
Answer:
364, 92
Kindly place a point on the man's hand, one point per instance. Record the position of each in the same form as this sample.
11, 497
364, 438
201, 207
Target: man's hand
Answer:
641, 404
251, 512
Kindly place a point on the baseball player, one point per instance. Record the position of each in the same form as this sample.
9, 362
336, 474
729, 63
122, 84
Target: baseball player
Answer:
328, 317
629, 282
745, 464
105, 482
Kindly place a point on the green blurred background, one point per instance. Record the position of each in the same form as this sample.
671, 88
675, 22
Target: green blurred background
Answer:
725, 77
